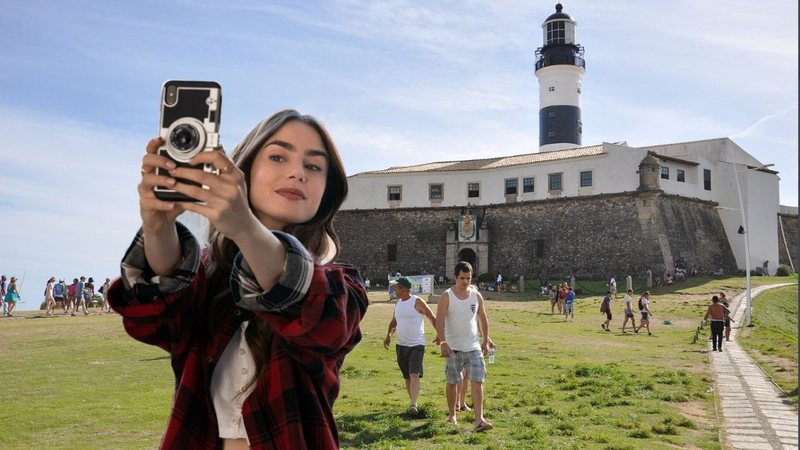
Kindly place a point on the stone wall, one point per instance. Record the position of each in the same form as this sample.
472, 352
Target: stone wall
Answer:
696, 235
790, 230
419, 234
590, 237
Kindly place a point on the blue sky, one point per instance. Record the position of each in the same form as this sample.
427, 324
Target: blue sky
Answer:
397, 82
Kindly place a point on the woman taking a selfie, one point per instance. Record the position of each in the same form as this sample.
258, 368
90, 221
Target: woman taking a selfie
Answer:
257, 326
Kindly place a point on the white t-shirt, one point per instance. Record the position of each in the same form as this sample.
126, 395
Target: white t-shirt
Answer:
228, 385
628, 300
461, 323
410, 323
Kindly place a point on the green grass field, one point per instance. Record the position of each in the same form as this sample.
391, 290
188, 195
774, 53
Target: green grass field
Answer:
80, 382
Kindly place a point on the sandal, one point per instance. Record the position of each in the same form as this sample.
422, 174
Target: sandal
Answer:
452, 421
483, 426
464, 408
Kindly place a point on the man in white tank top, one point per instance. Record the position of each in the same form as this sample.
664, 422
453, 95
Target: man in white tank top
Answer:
462, 330
410, 326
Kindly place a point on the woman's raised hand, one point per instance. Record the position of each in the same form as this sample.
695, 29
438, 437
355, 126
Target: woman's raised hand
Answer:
225, 203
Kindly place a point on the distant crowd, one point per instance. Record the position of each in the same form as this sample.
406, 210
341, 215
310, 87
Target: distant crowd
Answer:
58, 295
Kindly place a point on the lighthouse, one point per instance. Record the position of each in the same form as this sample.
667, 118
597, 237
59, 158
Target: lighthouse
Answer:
560, 67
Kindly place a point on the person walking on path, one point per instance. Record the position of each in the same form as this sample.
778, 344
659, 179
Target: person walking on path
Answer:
408, 321
12, 296
460, 315
644, 309
629, 311
717, 313
605, 308
728, 319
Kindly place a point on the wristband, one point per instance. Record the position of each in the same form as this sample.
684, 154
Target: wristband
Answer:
442, 342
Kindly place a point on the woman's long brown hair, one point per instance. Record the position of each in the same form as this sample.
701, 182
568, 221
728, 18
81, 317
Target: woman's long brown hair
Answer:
317, 235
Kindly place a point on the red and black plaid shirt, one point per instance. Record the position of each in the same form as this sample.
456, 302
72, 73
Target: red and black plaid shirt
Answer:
315, 312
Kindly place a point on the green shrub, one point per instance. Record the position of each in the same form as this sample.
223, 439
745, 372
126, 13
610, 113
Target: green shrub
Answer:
485, 278
784, 270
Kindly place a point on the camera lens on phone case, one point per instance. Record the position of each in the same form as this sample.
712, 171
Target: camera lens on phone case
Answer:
184, 137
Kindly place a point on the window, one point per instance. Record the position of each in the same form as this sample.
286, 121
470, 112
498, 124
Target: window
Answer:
551, 114
473, 190
586, 178
707, 179
551, 89
527, 184
664, 173
554, 182
391, 249
395, 193
435, 191
681, 175
555, 33
538, 248
551, 134
511, 186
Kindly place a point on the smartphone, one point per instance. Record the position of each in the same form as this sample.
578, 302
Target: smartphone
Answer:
189, 124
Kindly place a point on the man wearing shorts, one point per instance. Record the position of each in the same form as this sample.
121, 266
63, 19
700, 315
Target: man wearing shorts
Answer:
553, 299
606, 308
59, 294
569, 304
459, 316
629, 311
410, 326
646, 314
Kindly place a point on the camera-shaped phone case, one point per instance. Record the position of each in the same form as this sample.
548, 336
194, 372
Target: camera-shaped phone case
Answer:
190, 118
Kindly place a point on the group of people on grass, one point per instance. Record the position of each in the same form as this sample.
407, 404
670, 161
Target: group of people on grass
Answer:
70, 298
643, 306
562, 297
73, 298
462, 334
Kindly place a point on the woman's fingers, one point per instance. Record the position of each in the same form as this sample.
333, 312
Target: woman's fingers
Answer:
152, 160
217, 159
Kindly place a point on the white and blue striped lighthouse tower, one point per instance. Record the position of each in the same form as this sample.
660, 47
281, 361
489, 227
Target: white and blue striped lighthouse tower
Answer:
559, 67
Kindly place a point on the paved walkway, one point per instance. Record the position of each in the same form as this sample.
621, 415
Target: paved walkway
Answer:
754, 413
